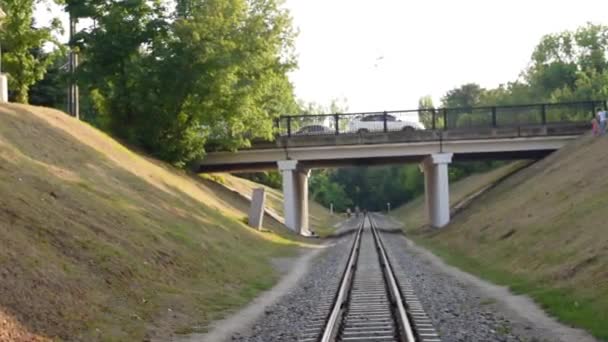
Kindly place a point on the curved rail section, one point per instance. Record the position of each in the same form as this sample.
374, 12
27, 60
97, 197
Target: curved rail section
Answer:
371, 304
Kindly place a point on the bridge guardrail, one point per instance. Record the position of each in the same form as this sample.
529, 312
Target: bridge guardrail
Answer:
432, 119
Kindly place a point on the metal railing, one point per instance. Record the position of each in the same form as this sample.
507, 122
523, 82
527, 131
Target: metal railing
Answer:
438, 119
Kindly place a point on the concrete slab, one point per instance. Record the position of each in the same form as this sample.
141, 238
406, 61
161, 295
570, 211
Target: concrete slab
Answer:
256, 210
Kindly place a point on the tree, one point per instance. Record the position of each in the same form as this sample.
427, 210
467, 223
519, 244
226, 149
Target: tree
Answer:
465, 97
590, 85
326, 192
214, 72
269, 178
50, 91
561, 62
426, 108
20, 41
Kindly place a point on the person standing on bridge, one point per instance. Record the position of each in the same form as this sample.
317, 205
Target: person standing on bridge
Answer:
595, 127
601, 117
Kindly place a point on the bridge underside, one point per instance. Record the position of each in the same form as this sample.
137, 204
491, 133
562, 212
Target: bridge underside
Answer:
373, 161
433, 150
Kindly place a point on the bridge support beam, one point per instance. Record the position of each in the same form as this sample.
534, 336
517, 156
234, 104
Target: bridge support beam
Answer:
295, 194
303, 192
437, 188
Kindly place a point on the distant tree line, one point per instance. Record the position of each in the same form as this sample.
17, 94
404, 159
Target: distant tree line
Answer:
567, 66
564, 67
175, 78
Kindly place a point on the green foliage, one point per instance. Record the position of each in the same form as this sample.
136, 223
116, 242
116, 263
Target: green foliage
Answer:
426, 107
367, 187
565, 67
21, 43
269, 178
459, 170
592, 84
326, 192
471, 120
467, 95
215, 74
570, 65
51, 90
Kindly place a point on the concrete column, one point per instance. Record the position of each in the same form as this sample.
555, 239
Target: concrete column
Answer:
303, 198
256, 210
428, 180
437, 188
290, 193
3, 88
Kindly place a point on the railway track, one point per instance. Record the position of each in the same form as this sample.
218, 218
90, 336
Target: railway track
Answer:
372, 302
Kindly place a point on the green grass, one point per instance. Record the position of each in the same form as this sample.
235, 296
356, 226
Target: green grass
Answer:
541, 232
119, 246
567, 307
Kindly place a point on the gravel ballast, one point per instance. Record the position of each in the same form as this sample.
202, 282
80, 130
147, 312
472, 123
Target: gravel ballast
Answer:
289, 318
458, 311
461, 311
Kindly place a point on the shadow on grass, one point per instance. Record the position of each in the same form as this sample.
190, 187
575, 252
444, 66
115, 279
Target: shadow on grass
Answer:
109, 253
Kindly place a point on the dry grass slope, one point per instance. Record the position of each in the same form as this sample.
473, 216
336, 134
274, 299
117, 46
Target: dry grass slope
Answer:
543, 232
99, 243
413, 214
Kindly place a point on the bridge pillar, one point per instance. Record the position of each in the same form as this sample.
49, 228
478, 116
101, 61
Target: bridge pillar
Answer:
437, 188
295, 196
302, 177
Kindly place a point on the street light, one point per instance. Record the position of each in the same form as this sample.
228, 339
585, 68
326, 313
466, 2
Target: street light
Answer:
2, 16
3, 79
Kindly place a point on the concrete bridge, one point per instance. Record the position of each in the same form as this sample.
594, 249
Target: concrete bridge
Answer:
318, 144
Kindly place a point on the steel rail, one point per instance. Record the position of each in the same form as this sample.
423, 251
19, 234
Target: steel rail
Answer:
405, 327
333, 322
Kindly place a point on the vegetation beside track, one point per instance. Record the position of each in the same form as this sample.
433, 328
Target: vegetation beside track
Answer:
542, 232
101, 243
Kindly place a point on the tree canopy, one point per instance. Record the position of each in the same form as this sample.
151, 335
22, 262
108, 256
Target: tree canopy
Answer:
22, 42
177, 78
172, 80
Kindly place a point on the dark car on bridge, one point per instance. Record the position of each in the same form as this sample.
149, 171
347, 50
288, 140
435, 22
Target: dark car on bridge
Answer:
314, 130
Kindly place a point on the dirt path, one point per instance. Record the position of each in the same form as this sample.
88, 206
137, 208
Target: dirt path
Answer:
292, 269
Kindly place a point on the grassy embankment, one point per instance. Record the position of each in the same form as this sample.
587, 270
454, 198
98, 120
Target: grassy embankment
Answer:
100, 243
542, 232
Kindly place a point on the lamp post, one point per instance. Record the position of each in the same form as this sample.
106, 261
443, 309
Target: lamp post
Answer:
2, 16
3, 79
73, 93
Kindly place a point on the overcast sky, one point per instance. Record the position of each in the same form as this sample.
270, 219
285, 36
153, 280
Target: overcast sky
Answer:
386, 54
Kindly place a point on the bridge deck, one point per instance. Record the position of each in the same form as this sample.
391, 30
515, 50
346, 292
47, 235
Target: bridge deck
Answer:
328, 150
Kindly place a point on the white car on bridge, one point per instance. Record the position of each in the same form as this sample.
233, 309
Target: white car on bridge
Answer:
375, 123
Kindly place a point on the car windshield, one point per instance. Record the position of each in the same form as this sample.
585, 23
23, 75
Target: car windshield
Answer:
373, 118
379, 118
314, 128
